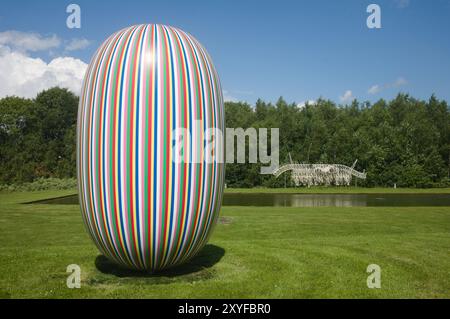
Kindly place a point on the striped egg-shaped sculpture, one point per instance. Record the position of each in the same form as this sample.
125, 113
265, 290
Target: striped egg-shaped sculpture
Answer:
147, 204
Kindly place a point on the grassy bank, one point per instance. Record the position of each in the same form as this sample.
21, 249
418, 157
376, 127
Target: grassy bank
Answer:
71, 185
341, 190
254, 253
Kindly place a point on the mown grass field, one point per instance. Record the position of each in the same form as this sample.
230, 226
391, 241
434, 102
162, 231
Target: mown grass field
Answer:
254, 253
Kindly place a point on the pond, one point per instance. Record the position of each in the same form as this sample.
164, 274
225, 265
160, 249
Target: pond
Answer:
311, 200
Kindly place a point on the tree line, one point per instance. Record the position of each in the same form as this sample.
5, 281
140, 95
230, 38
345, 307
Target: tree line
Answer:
404, 141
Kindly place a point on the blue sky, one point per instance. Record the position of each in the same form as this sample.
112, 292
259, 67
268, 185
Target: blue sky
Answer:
300, 50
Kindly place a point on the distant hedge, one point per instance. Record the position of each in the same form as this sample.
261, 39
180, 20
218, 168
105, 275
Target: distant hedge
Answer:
41, 184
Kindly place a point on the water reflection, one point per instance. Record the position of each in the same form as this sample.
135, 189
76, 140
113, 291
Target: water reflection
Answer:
336, 200
311, 200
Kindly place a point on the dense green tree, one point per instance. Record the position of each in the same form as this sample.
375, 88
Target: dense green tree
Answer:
404, 142
37, 137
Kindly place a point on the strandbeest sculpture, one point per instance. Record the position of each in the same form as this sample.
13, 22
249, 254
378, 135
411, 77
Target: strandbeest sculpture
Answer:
319, 174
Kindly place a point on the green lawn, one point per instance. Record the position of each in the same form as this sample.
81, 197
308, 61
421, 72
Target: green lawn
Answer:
253, 253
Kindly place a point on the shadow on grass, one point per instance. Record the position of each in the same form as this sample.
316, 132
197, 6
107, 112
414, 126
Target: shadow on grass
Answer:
205, 259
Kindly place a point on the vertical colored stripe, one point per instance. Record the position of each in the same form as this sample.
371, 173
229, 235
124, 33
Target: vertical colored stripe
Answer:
141, 208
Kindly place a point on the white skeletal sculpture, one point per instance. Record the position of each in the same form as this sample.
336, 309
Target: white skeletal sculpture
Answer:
320, 174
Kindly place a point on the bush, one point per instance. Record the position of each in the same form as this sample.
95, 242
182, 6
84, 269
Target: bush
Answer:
41, 184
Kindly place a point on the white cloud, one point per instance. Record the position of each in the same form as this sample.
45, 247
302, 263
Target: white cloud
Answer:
243, 92
227, 97
347, 97
303, 104
230, 96
77, 44
399, 82
26, 76
402, 3
375, 89
26, 42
